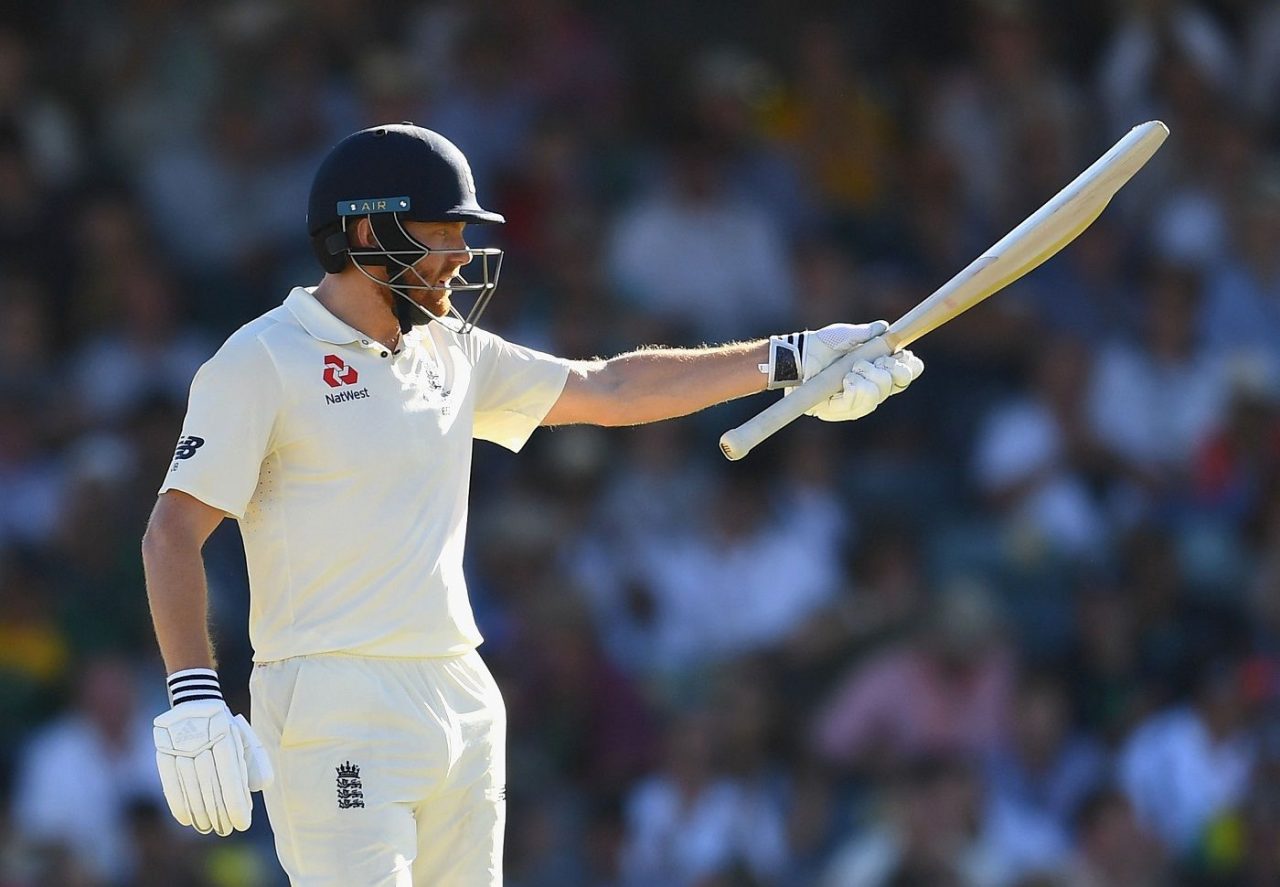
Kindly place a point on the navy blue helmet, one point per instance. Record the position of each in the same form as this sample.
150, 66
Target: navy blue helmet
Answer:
391, 174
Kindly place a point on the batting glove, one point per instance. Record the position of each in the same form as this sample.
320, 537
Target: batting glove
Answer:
867, 385
209, 761
798, 357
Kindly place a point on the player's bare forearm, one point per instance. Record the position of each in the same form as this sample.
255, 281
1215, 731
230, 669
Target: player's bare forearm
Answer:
658, 383
176, 587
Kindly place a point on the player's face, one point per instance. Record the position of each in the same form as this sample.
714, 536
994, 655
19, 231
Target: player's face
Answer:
438, 267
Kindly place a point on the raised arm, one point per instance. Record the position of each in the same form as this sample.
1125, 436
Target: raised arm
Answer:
661, 383
658, 383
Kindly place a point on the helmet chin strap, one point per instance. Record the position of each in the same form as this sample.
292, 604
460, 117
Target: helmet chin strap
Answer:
409, 312
405, 313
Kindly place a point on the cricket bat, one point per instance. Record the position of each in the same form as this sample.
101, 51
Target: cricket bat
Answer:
1026, 247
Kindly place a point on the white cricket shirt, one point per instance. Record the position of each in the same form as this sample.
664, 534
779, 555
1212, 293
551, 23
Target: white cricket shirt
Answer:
348, 468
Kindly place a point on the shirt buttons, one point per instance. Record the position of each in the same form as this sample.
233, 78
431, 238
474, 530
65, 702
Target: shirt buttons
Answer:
384, 354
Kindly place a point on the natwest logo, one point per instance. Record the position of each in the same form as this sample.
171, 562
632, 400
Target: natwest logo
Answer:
337, 373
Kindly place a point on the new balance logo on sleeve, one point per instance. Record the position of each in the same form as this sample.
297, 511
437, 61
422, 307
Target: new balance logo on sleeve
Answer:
187, 447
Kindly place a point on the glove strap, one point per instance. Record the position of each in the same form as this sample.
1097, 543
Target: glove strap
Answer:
192, 684
786, 360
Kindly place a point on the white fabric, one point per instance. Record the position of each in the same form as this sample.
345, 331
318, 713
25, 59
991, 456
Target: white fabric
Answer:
1129, 70
1154, 413
422, 743
718, 598
349, 473
113, 374
1019, 442
209, 762
718, 265
681, 842
74, 786
1178, 777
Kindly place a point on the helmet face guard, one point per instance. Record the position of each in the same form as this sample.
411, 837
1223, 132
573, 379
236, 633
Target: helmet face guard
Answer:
399, 251
435, 184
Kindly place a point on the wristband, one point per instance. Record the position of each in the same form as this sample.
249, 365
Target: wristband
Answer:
786, 360
192, 684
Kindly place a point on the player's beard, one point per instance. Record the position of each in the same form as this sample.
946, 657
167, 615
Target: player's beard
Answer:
410, 315
436, 302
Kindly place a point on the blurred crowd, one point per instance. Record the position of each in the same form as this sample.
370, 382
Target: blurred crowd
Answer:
1020, 628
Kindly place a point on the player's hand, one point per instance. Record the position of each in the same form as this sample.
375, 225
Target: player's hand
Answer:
798, 357
209, 763
867, 385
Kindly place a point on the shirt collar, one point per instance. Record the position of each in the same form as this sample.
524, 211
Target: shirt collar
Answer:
317, 320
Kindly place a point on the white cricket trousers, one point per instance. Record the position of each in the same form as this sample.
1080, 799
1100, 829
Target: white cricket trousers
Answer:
389, 772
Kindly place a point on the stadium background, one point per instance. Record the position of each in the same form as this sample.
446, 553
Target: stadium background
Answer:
1020, 627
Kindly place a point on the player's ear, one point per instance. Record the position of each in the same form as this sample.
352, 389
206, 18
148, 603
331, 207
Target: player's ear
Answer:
361, 234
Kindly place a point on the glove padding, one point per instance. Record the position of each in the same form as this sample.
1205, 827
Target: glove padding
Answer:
798, 357
209, 763
867, 385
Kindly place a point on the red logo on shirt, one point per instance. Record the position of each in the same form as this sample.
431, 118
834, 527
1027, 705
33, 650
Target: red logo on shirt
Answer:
337, 373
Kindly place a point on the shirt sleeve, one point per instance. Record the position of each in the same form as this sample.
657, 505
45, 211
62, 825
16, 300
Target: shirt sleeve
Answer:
229, 427
515, 389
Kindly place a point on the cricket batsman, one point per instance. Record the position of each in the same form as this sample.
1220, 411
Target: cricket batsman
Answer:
337, 429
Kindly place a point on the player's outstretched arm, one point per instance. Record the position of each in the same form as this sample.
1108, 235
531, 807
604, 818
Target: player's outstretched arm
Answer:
661, 383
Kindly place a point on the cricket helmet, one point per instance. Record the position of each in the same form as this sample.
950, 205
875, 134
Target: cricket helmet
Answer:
391, 174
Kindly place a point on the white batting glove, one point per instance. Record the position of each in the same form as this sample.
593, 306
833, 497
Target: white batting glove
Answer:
798, 357
209, 762
867, 385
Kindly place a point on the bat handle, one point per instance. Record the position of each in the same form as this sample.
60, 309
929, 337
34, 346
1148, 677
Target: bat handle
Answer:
737, 442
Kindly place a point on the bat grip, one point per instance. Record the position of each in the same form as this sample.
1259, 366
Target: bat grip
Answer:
737, 442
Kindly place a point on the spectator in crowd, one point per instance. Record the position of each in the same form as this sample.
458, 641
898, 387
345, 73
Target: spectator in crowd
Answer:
81, 773
691, 822
145, 349
1036, 455
1189, 763
1047, 768
1154, 43
1237, 467
35, 652
25, 325
882, 598
1152, 405
1113, 850
834, 119
32, 477
1242, 301
936, 831
947, 691
728, 89
42, 119
736, 584
1001, 104
690, 252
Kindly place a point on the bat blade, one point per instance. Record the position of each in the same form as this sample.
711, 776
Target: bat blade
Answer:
1040, 236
